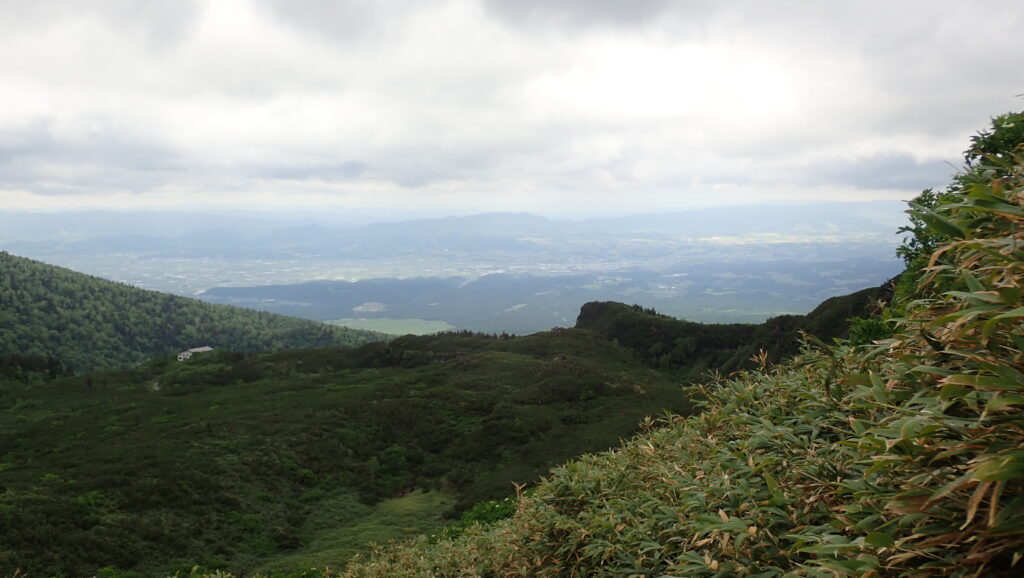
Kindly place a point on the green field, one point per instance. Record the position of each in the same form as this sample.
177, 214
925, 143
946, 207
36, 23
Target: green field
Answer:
395, 326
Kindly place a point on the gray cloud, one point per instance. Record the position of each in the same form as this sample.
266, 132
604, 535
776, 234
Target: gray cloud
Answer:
493, 103
341, 22
337, 172
892, 171
153, 25
585, 13
35, 157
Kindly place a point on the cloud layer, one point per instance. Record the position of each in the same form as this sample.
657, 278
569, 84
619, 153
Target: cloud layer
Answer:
464, 105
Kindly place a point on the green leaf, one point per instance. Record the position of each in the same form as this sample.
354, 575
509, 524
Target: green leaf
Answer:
879, 540
1006, 372
978, 297
1001, 468
931, 369
937, 222
1010, 519
972, 282
857, 379
910, 427
981, 192
1014, 314
1004, 401
1012, 295
985, 382
998, 205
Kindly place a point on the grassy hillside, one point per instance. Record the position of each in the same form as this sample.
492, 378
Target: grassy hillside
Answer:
901, 458
90, 323
245, 461
691, 349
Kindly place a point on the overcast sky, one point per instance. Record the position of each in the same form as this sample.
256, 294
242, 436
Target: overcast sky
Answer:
550, 106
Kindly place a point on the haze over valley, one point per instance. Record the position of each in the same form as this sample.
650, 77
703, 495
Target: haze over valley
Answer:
495, 272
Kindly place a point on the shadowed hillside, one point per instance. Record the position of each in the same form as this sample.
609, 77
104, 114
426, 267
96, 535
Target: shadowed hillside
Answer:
691, 349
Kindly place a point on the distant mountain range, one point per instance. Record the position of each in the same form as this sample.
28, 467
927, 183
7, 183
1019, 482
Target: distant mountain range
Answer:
263, 235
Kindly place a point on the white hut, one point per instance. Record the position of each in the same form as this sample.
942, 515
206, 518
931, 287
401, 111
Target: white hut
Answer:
188, 352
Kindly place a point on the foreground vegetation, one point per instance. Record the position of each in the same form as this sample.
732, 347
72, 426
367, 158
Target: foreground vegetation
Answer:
89, 323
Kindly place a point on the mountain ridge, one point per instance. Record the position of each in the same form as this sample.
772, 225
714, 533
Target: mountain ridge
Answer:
692, 348
879, 216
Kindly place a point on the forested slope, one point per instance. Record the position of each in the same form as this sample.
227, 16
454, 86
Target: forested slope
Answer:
90, 323
691, 349
279, 460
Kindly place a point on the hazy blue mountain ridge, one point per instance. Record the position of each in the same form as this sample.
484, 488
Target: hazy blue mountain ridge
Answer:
451, 233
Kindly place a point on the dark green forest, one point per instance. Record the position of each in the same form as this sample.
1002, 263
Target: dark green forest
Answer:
226, 459
88, 323
690, 350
